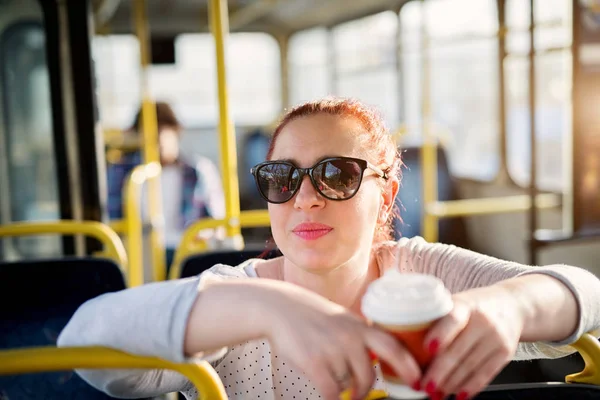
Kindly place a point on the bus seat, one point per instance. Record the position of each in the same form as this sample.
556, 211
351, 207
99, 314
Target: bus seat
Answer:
451, 230
255, 147
38, 298
198, 263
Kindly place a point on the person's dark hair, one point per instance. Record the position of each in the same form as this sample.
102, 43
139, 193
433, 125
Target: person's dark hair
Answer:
164, 114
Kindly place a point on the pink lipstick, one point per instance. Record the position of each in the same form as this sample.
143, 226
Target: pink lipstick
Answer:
311, 230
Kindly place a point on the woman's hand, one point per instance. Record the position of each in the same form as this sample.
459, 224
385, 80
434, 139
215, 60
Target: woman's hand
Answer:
330, 344
473, 343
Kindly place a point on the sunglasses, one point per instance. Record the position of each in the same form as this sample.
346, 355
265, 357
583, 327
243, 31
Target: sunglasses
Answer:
335, 178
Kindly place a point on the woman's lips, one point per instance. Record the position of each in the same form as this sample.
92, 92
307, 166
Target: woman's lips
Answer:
311, 230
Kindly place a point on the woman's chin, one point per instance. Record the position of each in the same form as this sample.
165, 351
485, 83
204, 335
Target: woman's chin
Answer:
315, 261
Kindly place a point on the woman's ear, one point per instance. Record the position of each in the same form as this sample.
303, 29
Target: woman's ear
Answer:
388, 196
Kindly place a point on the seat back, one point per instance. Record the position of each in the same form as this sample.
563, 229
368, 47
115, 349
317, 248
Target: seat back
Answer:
196, 264
409, 199
38, 298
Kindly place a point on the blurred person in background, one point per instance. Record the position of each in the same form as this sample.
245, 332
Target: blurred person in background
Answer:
191, 188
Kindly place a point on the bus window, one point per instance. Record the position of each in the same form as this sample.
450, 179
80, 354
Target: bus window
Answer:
553, 87
365, 63
308, 61
116, 59
463, 51
31, 175
253, 68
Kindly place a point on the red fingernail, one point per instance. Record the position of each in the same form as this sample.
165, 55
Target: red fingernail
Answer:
372, 355
430, 388
462, 396
416, 386
438, 396
434, 346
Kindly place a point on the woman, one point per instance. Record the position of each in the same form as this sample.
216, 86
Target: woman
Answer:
297, 332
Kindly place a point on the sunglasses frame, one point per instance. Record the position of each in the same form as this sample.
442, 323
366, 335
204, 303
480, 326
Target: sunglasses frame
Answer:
363, 165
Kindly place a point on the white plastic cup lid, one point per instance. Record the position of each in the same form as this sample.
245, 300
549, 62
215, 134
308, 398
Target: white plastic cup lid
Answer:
406, 299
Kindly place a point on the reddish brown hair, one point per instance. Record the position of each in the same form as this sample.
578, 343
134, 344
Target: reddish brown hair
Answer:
377, 139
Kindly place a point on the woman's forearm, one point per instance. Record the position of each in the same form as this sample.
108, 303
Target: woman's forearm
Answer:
224, 313
235, 311
550, 309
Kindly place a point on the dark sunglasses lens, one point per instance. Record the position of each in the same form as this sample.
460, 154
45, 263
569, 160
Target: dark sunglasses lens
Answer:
277, 182
338, 179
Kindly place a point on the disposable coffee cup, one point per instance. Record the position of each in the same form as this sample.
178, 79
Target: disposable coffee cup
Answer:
406, 305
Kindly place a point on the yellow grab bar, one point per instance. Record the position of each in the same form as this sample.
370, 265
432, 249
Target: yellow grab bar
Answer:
133, 223
112, 243
190, 245
118, 225
150, 147
202, 375
219, 23
589, 348
44, 359
490, 205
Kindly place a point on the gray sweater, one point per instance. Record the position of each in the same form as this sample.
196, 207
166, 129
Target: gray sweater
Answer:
151, 320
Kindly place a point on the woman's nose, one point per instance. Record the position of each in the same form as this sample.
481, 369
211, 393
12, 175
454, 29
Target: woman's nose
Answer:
307, 196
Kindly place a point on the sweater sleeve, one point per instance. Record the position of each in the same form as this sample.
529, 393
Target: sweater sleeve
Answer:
147, 320
462, 269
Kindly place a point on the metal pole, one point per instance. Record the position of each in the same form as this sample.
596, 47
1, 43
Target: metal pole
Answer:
532, 139
429, 148
502, 31
283, 41
220, 29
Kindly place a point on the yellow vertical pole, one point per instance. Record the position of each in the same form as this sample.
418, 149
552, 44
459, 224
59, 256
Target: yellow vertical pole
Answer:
220, 29
150, 143
135, 274
429, 148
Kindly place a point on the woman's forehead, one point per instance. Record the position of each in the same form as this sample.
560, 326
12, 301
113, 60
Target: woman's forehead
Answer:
312, 138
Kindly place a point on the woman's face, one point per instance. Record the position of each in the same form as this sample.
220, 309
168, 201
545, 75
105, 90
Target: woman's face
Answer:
344, 229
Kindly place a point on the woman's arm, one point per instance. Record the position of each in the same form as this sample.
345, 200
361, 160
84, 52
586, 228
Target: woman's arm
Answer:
146, 320
549, 307
177, 319
561, 301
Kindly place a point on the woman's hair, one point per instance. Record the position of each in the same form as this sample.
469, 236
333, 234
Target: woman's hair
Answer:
376, 138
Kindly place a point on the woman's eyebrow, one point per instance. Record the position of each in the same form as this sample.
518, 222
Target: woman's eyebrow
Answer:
295, 162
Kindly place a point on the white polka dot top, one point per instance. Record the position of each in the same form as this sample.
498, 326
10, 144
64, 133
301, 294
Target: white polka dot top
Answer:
251, 371
151, 320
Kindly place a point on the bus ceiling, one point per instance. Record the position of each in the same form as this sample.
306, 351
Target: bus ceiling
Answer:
277, 17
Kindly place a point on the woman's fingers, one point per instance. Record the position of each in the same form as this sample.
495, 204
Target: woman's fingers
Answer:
320, 372
362, 369
447, 329
390, 351
452, 358
484, 374
469, 367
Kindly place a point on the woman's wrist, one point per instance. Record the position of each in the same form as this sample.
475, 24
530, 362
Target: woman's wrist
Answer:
548, 307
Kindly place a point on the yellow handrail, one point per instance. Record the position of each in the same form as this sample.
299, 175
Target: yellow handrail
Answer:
490, 205
150, 148
202, 375
589, 348
219, 23
112, 243
133, 224
118, 225
190, 245
43, 359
